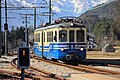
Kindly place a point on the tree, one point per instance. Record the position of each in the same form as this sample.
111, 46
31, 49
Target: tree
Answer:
90, 21
13, 37
106, 28
31, 33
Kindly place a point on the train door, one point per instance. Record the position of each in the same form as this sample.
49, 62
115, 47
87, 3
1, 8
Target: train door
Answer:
42, 42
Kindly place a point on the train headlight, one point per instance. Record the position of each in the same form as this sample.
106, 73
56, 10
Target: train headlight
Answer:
81, 49
71, 24
62, 49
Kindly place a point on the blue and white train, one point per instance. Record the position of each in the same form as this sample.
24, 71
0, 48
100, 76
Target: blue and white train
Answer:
64, 40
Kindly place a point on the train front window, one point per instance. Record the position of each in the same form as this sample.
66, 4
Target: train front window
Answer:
63, 35
80, 35
71, 35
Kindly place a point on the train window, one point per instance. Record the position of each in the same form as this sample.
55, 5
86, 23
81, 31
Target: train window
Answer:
37, 37
50, 36
44, 36
63, 35
55, 37
80, 35
71, 35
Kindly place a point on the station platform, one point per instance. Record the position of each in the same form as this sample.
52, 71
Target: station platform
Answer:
91, 76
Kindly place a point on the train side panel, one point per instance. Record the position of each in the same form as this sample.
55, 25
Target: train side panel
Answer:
55, 51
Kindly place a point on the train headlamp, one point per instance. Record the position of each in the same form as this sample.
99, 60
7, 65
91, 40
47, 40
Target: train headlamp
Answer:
81, 49
62, 49
71, 24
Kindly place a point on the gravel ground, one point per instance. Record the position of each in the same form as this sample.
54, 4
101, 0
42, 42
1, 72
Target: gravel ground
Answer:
60, 70
6, 65
109, 68
55, 69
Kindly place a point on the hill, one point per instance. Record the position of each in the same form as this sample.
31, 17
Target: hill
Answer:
104, 20
110, 10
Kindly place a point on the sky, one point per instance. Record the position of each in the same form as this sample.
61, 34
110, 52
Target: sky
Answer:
60, 8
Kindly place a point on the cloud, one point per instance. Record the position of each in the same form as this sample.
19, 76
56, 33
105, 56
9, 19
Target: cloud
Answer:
55, 8
78, 8
82, 5
94, 3
78, 5
57, 2
24, 3
103, 1
18, 0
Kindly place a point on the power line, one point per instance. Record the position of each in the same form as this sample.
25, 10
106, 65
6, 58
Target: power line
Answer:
28, 7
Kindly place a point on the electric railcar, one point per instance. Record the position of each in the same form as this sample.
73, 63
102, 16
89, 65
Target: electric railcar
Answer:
63, 40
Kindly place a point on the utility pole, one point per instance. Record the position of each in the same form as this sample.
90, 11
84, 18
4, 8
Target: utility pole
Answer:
0, 28
34, 17
6, 29
26, 17
26, 30
5, 11
50, 11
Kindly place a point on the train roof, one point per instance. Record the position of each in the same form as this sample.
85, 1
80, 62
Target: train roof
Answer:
62, 25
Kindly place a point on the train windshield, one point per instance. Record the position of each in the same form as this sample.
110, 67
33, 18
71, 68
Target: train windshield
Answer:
80, 36
63, 35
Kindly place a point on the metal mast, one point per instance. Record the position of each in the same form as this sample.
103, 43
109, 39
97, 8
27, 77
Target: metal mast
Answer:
6, 25
50, 11
34, 17
0, 27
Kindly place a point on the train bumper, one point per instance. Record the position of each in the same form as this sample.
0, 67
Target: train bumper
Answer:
72, 57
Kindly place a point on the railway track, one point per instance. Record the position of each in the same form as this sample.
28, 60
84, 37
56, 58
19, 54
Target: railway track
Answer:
99, 70
9, 75
38, 74
107, 65
84, 68
115, 66
7, 72
34, 73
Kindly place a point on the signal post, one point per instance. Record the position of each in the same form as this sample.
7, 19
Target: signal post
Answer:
6, 40
23, 60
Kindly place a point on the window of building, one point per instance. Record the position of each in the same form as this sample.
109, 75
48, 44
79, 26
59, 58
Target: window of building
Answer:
50, 36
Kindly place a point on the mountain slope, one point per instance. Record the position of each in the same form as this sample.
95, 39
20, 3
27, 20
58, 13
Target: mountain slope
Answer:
110, 10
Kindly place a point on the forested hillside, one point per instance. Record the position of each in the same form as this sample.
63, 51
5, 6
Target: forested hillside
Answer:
104, 21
